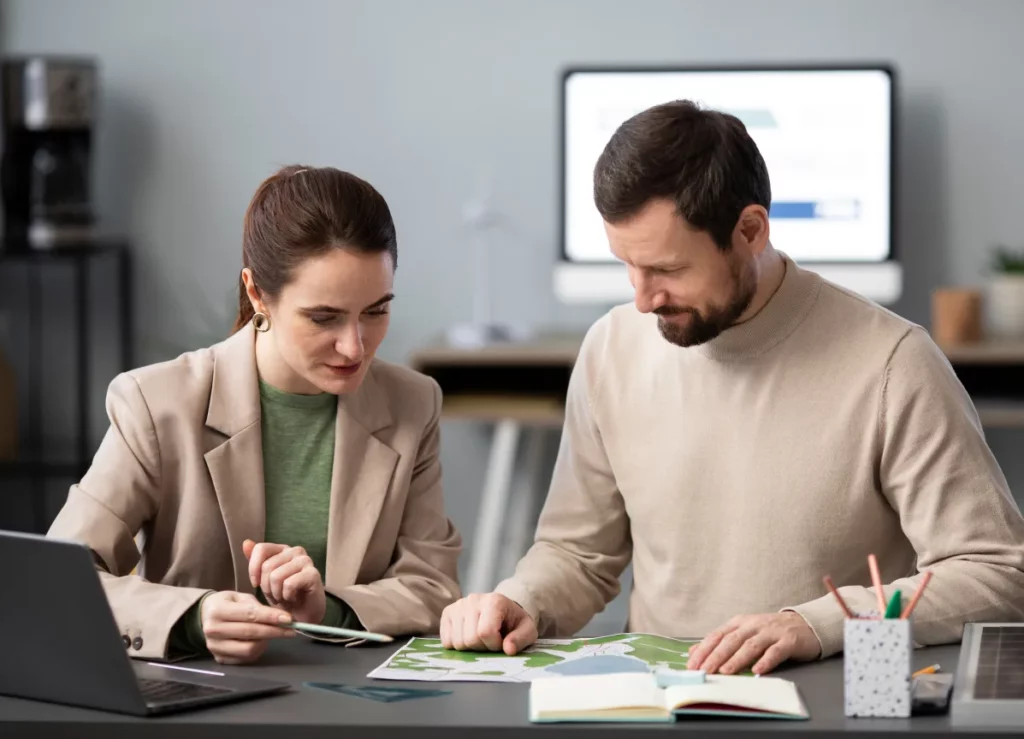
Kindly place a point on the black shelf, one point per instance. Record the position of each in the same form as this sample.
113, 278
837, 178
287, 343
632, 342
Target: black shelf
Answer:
21, 252
35, 468
45, 470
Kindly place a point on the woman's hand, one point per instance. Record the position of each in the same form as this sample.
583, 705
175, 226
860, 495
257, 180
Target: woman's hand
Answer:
237, 626
288, 579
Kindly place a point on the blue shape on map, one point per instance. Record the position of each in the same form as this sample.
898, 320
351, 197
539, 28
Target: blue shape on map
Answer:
602, 664
380, 694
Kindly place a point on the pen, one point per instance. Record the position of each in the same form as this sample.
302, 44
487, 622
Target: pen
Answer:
337, 631
876, 579
917, 595
185, 669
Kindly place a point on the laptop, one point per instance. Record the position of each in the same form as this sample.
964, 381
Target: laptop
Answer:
61, 643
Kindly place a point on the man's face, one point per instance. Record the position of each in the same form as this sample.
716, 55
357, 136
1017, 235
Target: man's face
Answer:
696, 289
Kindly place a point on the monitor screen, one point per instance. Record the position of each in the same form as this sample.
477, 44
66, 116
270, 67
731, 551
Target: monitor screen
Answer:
825, 134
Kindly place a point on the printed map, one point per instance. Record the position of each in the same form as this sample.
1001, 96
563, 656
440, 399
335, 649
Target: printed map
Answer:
426, 660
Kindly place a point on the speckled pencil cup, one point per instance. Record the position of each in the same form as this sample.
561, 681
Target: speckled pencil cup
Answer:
876, 667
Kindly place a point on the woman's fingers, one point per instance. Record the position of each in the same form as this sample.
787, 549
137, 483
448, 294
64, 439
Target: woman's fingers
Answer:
257, 555
241, 607
286, 571
297, 585
245, 631
231, 652
278, 560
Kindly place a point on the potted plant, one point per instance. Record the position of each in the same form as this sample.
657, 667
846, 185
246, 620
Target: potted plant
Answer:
1005, 298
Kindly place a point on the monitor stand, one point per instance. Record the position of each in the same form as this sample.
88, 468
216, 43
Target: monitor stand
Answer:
478, 335
607, 282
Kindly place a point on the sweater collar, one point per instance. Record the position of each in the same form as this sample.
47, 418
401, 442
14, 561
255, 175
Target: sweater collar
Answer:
780, 316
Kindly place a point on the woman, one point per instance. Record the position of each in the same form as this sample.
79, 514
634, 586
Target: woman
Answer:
285, 473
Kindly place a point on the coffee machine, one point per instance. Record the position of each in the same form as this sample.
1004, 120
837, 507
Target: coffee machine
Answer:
49, 106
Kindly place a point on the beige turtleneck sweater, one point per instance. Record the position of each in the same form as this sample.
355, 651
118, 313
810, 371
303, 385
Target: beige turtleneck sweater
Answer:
738, 473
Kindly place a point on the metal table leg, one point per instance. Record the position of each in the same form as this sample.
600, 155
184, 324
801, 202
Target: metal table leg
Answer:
493, 504
527, 499
35, 398
82, 265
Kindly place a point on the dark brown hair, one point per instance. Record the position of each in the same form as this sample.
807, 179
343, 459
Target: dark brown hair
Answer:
703, 160
300, 212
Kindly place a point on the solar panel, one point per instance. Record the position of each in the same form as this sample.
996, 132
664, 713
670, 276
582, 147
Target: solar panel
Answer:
989, 685
1000, 664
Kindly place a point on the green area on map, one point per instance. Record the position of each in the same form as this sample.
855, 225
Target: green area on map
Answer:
657, 651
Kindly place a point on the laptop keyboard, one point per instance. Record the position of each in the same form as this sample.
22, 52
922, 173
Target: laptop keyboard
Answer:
157, 692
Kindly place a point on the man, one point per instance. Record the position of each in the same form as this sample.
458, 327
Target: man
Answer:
745, 429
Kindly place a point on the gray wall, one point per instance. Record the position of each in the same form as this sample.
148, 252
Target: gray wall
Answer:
437, 102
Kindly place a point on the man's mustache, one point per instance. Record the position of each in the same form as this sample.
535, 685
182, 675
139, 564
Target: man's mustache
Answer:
672, 310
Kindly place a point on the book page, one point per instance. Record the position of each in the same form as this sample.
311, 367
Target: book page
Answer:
589, 693
767, 694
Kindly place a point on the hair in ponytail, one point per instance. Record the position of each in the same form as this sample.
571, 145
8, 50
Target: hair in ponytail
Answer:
301, 212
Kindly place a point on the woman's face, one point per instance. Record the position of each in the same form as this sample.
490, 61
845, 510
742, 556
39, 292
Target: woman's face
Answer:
329, 320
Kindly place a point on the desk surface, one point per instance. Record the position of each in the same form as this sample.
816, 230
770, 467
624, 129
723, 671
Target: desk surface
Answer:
563, 347
526, 380
473, 709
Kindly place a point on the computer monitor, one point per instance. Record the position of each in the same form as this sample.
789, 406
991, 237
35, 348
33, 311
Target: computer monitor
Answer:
826, 134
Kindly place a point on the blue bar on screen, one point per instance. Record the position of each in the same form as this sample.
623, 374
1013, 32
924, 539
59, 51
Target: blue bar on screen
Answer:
793, 209
836, 209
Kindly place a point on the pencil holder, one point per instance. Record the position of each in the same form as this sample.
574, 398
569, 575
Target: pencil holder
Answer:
876, 667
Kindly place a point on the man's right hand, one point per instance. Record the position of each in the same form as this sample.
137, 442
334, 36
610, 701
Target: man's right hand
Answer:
237, 626
487, 623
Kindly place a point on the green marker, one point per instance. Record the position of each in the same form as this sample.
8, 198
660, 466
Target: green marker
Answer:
895, 606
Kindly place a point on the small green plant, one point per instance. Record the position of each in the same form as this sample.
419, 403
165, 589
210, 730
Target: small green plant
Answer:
1007, 260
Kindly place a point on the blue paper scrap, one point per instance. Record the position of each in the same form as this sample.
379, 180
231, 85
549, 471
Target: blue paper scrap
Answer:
380, 694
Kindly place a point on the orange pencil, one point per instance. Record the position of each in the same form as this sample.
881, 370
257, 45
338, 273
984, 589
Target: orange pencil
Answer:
842, 603
876, 579
917, 595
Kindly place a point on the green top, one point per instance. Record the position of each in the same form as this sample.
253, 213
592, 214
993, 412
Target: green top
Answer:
298, 460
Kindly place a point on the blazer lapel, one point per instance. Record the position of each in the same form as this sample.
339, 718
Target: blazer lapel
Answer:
363, 467
236, 464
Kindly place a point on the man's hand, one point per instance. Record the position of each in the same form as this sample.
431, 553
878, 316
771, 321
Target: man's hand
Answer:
237, 626
487, 623
288, 579
765, 640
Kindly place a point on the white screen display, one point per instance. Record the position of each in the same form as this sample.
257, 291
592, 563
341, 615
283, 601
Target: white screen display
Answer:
824, 134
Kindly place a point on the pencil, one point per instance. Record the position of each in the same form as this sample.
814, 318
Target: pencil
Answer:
842, 603
336, 632
876, 579
917, 595
929, 670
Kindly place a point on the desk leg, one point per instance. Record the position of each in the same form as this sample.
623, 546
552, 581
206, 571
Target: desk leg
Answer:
493, 504
527, 499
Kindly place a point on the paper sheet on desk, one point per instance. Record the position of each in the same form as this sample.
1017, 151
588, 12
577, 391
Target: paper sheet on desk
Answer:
423, 659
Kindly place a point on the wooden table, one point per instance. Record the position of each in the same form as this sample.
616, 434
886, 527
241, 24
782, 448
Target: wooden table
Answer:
993, 373
520, 388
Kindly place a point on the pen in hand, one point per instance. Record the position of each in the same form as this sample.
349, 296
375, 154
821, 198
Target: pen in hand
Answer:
338, 632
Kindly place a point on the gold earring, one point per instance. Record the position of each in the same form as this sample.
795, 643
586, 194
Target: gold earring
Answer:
261, 322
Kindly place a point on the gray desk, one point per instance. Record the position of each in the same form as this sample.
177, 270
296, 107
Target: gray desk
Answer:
472, 710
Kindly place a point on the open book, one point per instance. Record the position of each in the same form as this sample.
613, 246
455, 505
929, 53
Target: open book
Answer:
642, 696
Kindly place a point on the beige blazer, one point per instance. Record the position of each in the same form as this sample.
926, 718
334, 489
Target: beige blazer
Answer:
182, 463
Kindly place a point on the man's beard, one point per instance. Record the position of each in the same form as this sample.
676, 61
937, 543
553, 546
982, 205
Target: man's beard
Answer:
703, 328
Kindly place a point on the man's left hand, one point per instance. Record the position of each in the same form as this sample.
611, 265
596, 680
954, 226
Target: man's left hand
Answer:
765, 641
